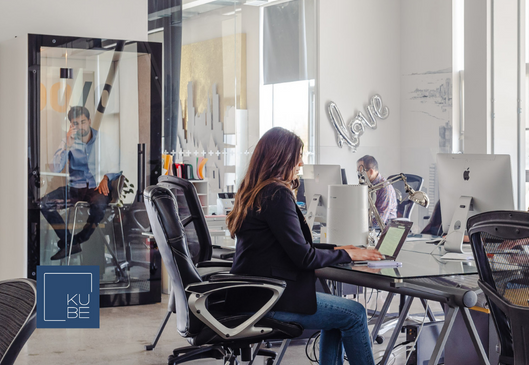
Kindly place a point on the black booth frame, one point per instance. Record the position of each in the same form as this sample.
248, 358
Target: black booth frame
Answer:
35, 42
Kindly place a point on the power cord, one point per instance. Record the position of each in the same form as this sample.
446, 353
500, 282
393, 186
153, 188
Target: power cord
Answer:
441, 242
418, 332
312, 355
376, 307
396, 348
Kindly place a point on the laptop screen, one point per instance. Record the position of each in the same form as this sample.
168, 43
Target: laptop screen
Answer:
393, 238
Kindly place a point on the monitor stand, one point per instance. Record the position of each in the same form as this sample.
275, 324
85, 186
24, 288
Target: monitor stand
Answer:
456, 233
311, 211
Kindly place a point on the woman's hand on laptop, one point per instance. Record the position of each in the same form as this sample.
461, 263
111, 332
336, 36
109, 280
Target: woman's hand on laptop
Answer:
364, 254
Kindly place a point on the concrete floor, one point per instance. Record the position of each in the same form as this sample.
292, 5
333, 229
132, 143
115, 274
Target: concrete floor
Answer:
123, 333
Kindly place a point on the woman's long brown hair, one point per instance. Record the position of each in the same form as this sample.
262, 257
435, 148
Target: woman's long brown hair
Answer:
276, 155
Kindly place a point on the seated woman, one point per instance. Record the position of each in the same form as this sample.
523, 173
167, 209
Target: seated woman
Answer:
273, 240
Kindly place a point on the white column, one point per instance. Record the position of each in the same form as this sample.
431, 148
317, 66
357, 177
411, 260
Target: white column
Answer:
477, 76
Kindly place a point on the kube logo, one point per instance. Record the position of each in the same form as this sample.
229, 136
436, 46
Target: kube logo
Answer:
67, 296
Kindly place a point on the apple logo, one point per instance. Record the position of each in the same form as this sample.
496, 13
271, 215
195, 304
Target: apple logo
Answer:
466, 174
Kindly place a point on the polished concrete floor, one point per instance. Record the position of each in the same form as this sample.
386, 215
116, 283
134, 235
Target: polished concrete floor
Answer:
124, 331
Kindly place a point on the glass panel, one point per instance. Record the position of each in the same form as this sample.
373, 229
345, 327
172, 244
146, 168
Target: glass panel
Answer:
95, 121
417, 262
213, 125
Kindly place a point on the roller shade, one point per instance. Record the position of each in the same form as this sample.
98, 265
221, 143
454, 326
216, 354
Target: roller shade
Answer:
288, 42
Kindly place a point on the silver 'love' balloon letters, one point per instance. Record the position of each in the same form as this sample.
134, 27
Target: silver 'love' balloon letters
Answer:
357, 125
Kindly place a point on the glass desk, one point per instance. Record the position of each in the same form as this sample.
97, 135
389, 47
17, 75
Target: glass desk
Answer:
418, 265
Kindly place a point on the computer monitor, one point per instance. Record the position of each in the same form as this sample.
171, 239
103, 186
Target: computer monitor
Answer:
316, 181
470, 184
344, 177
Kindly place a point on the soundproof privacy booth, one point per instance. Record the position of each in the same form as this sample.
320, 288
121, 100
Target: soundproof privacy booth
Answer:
108, 91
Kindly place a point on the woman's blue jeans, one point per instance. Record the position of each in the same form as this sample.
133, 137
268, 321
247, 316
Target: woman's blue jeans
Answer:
342, 322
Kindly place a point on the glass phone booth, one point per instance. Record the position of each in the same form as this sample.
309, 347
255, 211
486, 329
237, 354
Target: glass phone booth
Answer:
94, 133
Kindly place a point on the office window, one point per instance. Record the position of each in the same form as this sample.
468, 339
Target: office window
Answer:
291, 105
288, 70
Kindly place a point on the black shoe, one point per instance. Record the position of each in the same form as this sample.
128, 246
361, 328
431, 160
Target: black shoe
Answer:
63, 252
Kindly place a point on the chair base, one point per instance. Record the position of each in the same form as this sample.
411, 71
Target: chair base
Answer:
190, 353
227, 354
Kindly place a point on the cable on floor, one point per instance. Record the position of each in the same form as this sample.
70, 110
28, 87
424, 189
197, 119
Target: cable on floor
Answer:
312, 347
399, 347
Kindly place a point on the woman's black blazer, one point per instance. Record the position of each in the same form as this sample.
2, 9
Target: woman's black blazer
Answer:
276, 242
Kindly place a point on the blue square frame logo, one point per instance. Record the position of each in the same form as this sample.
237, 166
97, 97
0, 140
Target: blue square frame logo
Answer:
67, 296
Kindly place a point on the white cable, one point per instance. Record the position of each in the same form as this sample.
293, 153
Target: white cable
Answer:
442, 241
418, 333
393, 357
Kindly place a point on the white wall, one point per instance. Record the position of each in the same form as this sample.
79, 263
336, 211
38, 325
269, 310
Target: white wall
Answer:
491, 82
505, 128
120, 19
477, 72
426, 105
359, 56
399, 50
13, 159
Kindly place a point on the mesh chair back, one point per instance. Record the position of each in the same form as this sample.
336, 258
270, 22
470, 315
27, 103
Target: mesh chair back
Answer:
405, 207
168, 231
500, 242
191, 215
17, 316
117, 187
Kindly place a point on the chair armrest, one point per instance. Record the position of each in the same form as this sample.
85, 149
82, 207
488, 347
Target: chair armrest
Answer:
199, 293
214, 264
208, 271
223, 253
259, 279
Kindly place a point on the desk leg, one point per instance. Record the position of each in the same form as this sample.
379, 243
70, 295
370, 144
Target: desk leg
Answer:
431, 316
474, 336
450, 317
402, 317
324, 286
338, 289
381, 316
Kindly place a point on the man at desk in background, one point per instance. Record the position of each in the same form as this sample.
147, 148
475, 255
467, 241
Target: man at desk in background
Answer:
82, 149
386, 199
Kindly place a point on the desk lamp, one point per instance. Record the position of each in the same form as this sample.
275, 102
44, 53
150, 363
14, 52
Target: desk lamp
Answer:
417, 197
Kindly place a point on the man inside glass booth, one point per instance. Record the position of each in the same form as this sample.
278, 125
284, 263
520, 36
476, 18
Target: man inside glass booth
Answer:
91, 169
386, 198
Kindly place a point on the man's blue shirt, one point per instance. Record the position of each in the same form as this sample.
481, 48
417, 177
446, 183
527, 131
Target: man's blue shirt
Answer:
83, 162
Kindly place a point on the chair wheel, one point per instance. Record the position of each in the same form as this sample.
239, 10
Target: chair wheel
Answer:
269, 361
268, 345
379, 340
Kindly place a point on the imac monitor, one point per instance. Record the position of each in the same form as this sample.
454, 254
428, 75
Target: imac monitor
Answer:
470, 184
316, 181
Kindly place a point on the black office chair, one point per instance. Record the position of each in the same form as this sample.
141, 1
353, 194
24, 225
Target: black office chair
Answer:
210, 328
192, 215
18, 300
435, 223
121, 266
197, 234
500, 243
405, 205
